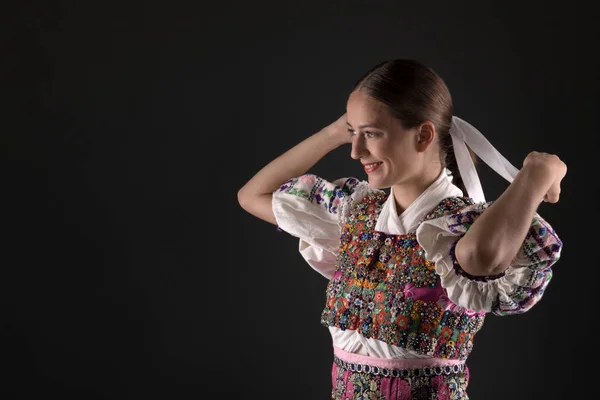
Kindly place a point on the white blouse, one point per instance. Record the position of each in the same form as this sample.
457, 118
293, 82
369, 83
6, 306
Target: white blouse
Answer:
319, 233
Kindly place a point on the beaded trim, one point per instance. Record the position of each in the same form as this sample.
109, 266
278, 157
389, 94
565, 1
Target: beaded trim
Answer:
460, 271
400, 373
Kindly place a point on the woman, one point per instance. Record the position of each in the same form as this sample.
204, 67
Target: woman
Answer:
411, 273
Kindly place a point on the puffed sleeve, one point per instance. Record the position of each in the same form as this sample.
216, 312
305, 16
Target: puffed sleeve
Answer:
513, 292
314, 210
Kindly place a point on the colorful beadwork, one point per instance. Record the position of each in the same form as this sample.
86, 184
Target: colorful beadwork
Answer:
385, 288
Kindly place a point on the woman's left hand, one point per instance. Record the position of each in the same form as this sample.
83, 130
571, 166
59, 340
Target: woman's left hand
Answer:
550, 169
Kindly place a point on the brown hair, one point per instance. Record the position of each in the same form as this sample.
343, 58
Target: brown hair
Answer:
415, 93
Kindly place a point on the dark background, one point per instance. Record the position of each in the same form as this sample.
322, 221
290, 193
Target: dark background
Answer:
130, 270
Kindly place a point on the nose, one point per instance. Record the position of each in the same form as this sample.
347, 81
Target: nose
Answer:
359, 150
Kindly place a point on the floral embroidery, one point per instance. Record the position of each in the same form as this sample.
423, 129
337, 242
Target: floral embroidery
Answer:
319, 191
541, 237
449, 206
385, 288
540, 250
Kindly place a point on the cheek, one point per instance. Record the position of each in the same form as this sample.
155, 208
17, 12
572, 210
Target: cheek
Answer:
396, 158
383, 152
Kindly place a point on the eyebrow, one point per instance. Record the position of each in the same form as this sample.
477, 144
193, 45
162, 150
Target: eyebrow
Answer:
372, 125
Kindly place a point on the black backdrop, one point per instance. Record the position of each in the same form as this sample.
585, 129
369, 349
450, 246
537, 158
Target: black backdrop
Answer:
130, 270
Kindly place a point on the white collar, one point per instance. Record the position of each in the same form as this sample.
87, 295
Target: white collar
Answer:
390, 222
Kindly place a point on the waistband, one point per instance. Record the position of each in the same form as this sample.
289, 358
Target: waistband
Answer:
397, 367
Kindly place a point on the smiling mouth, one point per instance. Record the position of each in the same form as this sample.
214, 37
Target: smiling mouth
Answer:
372, 166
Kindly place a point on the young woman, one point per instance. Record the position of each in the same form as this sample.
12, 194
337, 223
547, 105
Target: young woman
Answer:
411, 273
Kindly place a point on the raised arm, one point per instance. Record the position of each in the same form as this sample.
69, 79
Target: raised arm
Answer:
494, 239
256, 195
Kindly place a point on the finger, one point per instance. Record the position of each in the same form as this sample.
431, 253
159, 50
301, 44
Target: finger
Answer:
553, 195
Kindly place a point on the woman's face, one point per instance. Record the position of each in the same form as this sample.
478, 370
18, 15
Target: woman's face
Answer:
389, 153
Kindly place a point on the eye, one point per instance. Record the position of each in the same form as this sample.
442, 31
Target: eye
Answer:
351, 131
371, 134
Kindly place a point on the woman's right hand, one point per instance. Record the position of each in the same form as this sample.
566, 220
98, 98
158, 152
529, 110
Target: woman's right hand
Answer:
338, 132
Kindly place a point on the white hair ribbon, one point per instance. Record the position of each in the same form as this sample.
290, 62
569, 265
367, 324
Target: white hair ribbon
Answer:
464, 134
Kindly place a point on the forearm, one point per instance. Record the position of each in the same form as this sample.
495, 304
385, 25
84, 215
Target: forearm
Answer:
495, 238
256, 195
294, 162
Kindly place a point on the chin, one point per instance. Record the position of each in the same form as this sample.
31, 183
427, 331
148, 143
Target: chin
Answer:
378, 183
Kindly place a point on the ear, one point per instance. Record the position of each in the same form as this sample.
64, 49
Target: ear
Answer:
425, 135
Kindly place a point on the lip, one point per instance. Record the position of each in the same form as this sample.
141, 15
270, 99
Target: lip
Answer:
371, 167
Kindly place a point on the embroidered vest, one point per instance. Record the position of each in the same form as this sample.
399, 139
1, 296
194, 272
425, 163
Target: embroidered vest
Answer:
385, 288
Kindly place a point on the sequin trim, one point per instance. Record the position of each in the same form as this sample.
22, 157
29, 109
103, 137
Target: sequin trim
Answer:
400, 373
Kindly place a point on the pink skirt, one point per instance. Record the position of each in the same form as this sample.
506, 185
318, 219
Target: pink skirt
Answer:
362, 377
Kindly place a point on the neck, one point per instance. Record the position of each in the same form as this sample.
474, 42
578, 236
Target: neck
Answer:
406, 193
